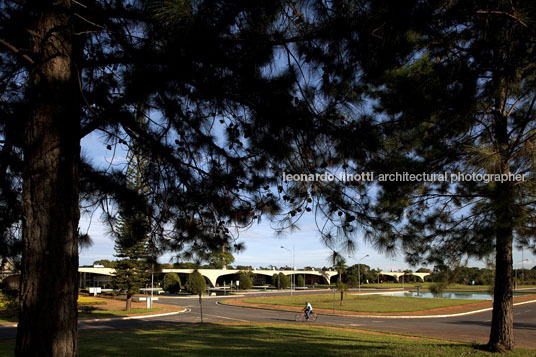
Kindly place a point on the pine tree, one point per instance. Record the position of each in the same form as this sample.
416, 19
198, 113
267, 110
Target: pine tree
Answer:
452, 84
132, 267
132, 241
72, 70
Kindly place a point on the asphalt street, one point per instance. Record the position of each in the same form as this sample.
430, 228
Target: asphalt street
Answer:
471, 328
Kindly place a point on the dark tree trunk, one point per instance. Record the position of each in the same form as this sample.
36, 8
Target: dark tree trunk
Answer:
48, 312
502, 322
128, 306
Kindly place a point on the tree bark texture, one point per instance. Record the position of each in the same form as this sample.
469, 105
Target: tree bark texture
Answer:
502, 322
48, 311
128, 305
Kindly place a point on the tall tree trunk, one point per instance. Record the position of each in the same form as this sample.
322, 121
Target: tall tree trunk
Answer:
48, 311
502, 322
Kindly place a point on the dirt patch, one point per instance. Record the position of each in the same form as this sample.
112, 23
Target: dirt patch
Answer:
439, 311
117, 304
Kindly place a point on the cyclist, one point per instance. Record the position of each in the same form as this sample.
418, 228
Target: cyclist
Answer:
308, 309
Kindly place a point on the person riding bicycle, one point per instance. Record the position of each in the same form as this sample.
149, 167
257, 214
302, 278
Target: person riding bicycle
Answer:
308, 309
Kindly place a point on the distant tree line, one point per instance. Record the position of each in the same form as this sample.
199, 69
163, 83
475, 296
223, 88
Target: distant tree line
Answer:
478, 276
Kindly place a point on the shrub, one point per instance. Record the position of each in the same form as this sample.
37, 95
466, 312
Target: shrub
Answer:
172, 283
300, 281
196, 283
8, 302
245, 281
84, 300
274, 280
281, 281
437, 288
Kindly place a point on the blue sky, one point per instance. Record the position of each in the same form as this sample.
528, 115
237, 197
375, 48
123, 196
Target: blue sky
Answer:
263, 246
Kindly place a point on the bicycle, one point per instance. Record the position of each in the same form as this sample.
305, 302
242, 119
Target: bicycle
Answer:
301, 317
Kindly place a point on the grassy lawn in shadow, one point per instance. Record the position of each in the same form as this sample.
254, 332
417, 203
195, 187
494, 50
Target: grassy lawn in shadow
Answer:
262, 340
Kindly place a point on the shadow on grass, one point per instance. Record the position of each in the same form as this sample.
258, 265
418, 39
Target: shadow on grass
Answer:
216, 340
262, 340
259, 340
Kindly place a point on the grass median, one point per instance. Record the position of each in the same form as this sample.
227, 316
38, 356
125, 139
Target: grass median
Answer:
264, 340
358, 303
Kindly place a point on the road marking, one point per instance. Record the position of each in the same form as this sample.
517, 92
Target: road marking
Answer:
355, 325
141, 317
227, 318
378, 321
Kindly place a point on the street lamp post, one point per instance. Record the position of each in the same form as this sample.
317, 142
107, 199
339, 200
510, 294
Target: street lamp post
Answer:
359, 273
292, 263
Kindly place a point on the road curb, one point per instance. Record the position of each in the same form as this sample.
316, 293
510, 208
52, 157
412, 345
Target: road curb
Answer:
204, 297
107, 319
388, 316
134, 317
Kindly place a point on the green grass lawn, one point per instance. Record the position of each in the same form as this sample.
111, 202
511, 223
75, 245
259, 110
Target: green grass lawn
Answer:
362, 303
526, 286
262, 340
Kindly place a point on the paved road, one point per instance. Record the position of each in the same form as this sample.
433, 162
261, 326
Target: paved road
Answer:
470, 328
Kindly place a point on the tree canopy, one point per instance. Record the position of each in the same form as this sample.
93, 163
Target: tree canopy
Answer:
233, 95
217, 117
449, 90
